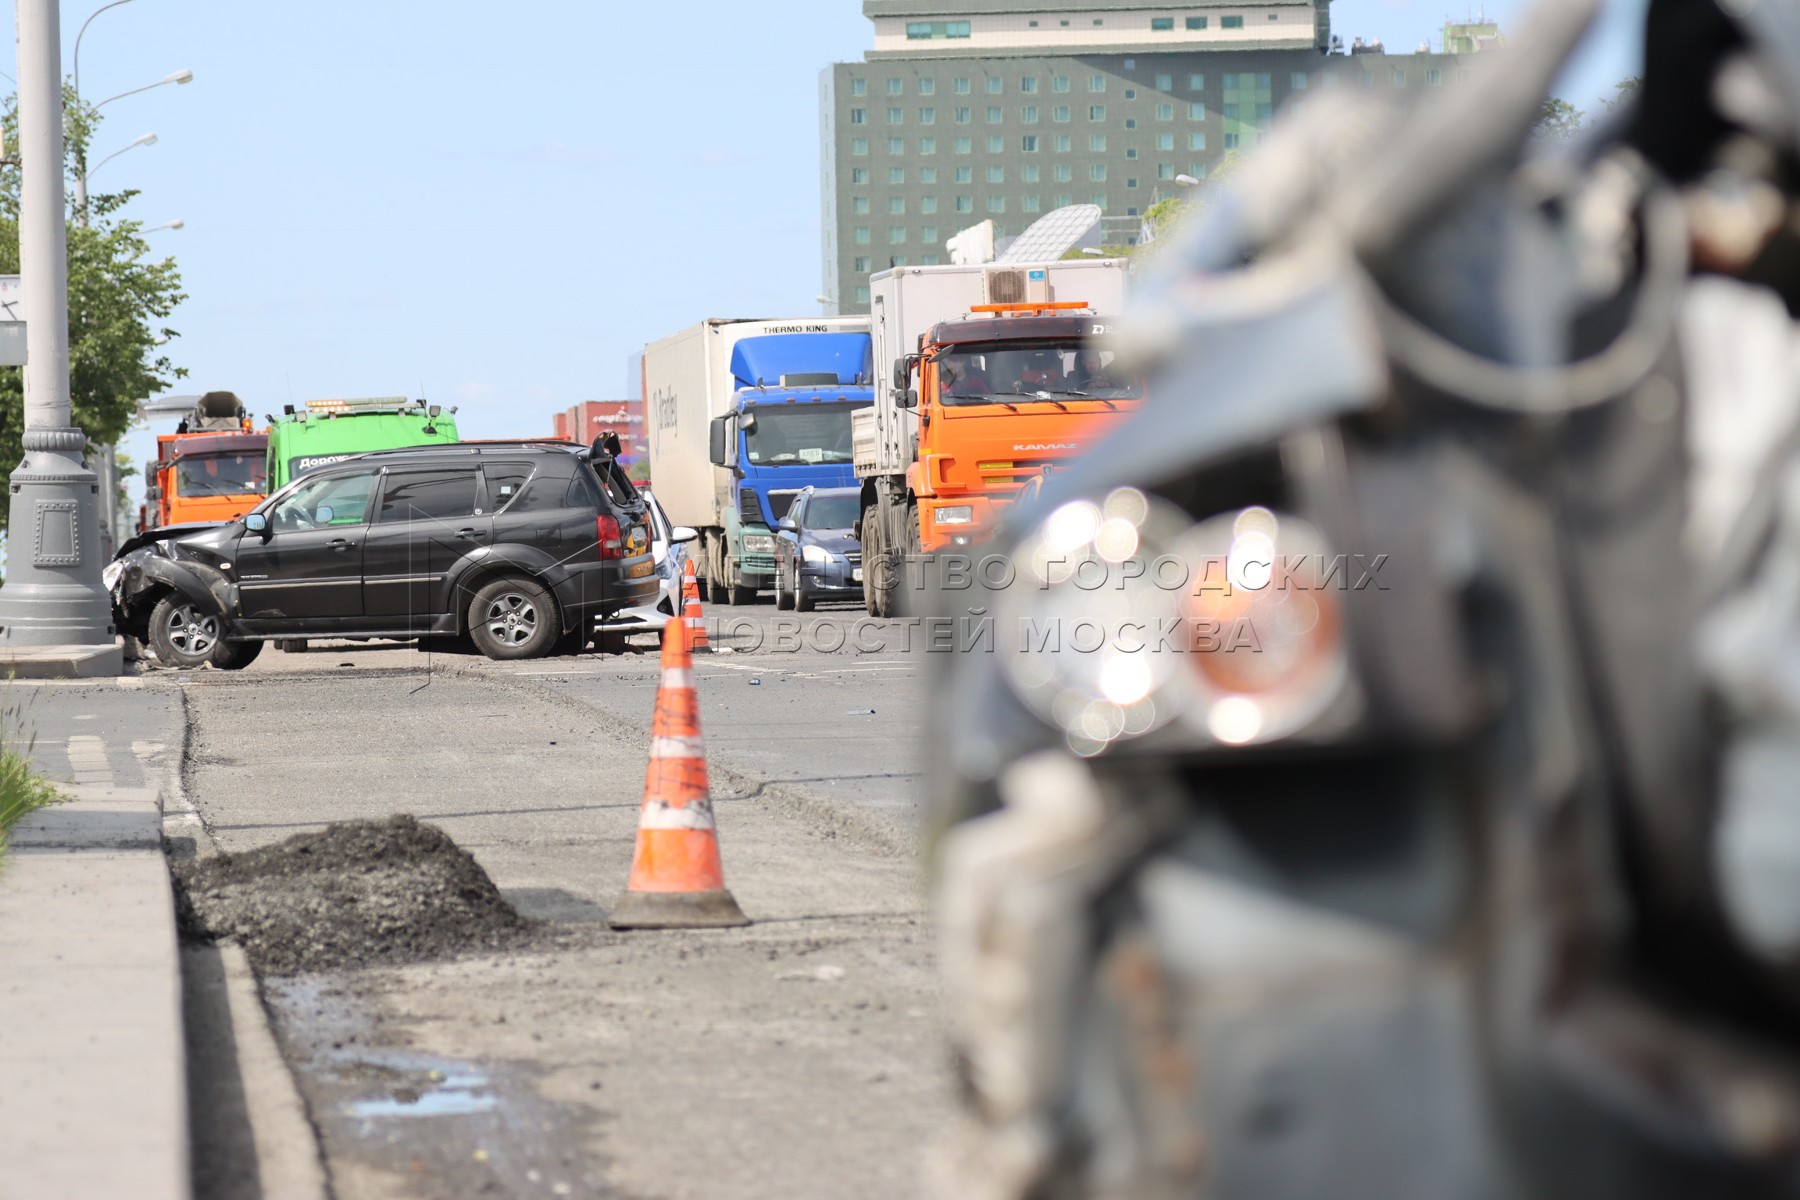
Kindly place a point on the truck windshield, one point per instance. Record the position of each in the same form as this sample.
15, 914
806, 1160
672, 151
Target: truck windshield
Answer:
1032, 372
799, 434
218, 474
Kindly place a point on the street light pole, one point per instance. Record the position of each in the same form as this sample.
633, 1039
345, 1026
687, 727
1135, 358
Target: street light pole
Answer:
52, 595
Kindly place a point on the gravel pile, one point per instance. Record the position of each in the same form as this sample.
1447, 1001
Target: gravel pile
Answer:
360, 893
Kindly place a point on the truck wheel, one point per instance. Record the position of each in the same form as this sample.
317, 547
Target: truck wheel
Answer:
235, 656
738, 593
514, 618
181, 635
876, 596
715, 572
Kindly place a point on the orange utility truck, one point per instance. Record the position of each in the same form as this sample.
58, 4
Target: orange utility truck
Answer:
210, 469
985, 375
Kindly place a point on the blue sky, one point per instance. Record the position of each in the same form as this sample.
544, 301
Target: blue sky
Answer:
495, 206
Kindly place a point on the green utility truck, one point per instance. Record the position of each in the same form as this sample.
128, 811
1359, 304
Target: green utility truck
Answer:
328, 431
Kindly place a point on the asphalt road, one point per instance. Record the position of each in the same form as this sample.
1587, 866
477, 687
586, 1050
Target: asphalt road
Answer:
801, 1057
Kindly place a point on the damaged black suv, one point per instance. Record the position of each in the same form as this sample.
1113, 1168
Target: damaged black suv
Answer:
520, 547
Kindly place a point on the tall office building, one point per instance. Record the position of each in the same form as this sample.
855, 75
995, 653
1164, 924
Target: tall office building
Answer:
966, 110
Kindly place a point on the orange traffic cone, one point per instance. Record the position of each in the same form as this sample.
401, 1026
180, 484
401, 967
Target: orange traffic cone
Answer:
677, 880
690, 610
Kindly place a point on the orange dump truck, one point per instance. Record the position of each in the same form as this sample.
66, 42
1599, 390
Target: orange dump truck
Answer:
210, 469
985, 375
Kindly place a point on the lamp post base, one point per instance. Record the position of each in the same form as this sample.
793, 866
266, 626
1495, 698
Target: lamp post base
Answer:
52, 596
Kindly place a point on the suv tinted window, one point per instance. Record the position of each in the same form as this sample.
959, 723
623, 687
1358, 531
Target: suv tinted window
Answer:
584, 491
504, 482
424, 495
339, 500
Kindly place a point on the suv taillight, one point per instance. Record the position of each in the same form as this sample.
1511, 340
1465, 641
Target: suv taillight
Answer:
612, 543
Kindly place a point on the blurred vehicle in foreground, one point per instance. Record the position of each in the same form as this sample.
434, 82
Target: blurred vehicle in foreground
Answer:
1382, 785
817, 557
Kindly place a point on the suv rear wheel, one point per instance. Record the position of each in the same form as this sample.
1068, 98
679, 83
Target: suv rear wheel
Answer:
181, 635
514, 618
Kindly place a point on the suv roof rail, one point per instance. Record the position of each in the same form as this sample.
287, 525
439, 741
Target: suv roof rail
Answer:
475, 447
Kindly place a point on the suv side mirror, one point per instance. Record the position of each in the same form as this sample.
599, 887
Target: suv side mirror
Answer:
786, 523
257, 523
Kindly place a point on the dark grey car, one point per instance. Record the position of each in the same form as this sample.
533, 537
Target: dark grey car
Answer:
816, 555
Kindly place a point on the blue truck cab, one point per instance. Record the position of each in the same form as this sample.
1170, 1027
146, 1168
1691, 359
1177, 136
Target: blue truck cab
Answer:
787, 428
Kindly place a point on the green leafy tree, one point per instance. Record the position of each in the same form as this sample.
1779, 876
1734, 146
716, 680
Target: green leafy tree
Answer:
1558, 120
119, 297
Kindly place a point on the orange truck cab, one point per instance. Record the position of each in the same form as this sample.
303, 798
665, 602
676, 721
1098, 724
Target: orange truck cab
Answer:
1004, 379
211, 469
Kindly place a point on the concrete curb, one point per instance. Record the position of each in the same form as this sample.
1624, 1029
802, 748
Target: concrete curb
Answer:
93, 1071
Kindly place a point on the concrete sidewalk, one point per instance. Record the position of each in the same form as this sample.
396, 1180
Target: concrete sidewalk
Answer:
93, 1099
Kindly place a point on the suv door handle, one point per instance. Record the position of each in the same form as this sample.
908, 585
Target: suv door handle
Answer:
340, 544
468, 535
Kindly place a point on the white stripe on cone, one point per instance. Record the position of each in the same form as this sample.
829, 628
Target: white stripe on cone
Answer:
659, 814
678, 677
676, 747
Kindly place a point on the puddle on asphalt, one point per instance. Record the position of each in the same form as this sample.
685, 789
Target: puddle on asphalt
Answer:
448, 1091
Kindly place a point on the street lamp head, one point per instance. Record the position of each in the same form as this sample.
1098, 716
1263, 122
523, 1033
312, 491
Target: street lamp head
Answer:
177, 223
148, 139
1187, 181
1095, 251
182, 76
824, 299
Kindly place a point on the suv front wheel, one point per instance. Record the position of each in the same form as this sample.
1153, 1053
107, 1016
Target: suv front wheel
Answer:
514, 618
181, 635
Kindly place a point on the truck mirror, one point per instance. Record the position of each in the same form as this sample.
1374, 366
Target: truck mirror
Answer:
910, 398
716, 443
903, 370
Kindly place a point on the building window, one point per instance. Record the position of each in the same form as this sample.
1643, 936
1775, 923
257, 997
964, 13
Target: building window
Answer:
899, 260
995, 85
895, 116
1131, 183
897, 235
1029, 204
1028, 85
928, 175
896, 146
963, 146
928, 116
996, 145
862, 294
1196, 141
1397, 76
1196, 22
1162, 24
1096, 112
1099, 21
1165, 112
859, 205
1297, 81
1131, 152
1097, 172
896, 206
859, 145
895, 86
1230, 23
1433, 77
1274, 16
1131, 122
1029, 143
1060, 113
993, 115
927, 145
1197, 111
1131, 93
1098, 200
1097, 143
927, 205
927, 87
960, 116
859, 116
1231, 141
1028, 173
859, 87
962, 87
1060, 143
928, 234
1028, 115
1063, 175
996, 204
1096, 83
929, 30
859, 174
996, 174
1165, 83
965, 174
965, 204
1165, 141
1059, 83
1165, 170
860, 235
930, 260
1197, 82
860, 265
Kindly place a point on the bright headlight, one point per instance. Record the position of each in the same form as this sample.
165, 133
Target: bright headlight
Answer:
759, 543
955, 514
111, 573
1126, 617
817, 554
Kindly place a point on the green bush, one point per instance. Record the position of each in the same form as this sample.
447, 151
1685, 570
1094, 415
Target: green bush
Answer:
22, 789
